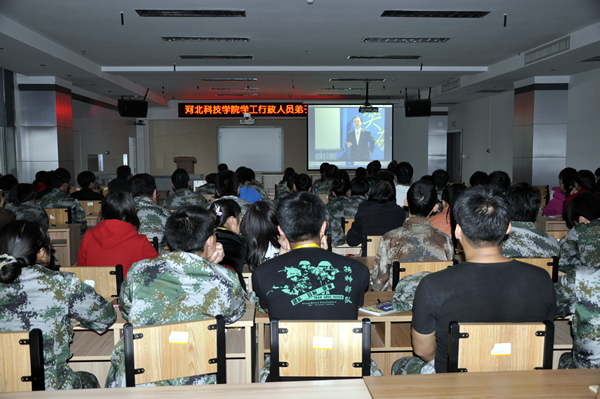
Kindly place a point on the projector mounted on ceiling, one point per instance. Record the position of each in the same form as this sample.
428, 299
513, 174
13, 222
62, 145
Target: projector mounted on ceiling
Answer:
248, 119
367, 107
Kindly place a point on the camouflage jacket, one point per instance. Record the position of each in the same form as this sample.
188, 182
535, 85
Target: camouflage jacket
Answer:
184, 196
153, 218
280, 191
174, 287
207, 189
526, 241
577, 293
579, 238
30, 211
414, 241
50, 300
336, 209
59, 199
243, 204
258, 187
322, 187
405, 292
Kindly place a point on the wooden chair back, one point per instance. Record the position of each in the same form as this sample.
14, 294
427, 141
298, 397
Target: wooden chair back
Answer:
209, 197
370, 245
72, 189
347, 223
320, 349
94, 206
106, 280
324, 198
103, 190
59, 215
404, 269
558, 234
175, 350
22, 361
548, 264
476, 347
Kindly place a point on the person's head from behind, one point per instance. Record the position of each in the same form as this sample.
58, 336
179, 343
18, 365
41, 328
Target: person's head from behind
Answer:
249, 175
22, 243
597, 174
61, 178
86, 179
120, 206
241, 175
222, 166
421, 198
289, 183
211, 178
482, 217
259, 226
583, 208
359, 186
8, 182
303, 182
301, 217
440, 179
21, 193
226, 214
392, 166
566, 178
123, 172
227, 184
478, 178
340, 187
585, 179
451, 194
330, 172
499, 179
404, 173
524, 202
373, 168
190, 229
289, 172
361, 172
143, 185
383, 191
180, 179
323, 168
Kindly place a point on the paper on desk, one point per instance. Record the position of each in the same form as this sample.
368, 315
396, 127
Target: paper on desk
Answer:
594, 388
322, 342
91, 283
179, 337
501, 349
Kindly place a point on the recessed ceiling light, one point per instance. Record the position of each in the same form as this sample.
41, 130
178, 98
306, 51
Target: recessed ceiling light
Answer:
216, 57
384, 57
42, 64
356, 80
205, 39
229, 80
191, 13
433, 14
405, 40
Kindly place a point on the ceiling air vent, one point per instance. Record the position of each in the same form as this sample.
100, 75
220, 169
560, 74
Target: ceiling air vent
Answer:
206, 39
191, 13
405, 40
384, 57
548, 50
216, 57
593, 59
453, 84
433, 14
355, 80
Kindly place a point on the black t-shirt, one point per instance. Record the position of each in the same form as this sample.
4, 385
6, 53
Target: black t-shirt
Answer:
86, 194
234, 247
311, 284
478, 292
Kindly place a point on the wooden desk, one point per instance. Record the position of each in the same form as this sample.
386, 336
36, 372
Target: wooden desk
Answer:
91, 351
570, 384
65, 240
556, 227
92, 219
331, 389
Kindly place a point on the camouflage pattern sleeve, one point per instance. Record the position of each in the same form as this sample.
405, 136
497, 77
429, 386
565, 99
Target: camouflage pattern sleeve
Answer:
261, 191
526, 241
335, 210
382, 267
569, 251
78, 215
405, 292
565, 294
93, 311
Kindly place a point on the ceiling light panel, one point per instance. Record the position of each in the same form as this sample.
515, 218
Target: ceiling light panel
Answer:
235, 89
405, 40
433, 14
229, 79
236, 95
191, 13
384, 57
206, 39
338, 95
356, 80
216, 57
342, 89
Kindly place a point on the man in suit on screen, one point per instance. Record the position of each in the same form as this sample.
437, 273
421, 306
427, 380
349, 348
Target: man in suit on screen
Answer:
359, 141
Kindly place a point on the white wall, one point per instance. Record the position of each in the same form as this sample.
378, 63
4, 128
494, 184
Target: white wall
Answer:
411, 138
486, 124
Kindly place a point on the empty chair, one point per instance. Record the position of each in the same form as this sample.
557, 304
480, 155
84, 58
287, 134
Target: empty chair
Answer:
22, 361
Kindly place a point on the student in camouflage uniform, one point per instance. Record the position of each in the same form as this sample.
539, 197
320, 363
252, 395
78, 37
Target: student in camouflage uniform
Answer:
252, 183
282, 188
343, 206
415, 241
183, 285
182, 194
582, 213
22, 203
228, 188
324, 186
58, 198
209, 187
322, 170
34, 296
153, 217
525, 240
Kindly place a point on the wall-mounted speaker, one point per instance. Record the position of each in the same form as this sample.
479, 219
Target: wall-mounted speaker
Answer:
414, 108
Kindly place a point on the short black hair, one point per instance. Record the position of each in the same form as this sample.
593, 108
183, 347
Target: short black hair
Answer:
188, 228
585, 178
250, 175
373, 168
360, 186
211, 178
222, 166
21, 193
483, 215
289, 172
85, 178
323, 168
7, 182
383, 191
180, 178
586, 204
289, 183
440, 178
567, 171
361, 172
221, 210
142, 184
404, 173
241, 174
597, 173
60, 176
478, 178
300, 216
392, 166
340, 187
421, 198
227, 183
303, 182
331, 171
524, 202
120, 206
123, 171
499, 179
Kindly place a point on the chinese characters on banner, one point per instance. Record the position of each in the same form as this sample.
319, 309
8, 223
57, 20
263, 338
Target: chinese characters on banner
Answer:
238, 110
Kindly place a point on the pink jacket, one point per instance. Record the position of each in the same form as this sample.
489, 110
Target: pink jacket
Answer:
555, 206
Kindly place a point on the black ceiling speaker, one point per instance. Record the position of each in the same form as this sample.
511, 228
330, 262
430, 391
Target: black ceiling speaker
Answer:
133, 108
414, 108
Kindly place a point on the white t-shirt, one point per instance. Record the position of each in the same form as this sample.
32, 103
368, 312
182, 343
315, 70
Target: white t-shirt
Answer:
401, 194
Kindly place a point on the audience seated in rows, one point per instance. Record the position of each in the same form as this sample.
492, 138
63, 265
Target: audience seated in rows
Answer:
444, 221
498, 180
184, 285
121, 182
21, 202
415, 241
58, 198
227, 187
347, 198
253, 183
152, 216
324, 186
281, 189
478, 178
182, 194
87, 182
209, 187
404, 174
115, 239
584, 182
259, 227
248, 194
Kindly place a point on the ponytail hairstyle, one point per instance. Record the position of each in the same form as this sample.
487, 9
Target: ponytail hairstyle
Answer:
221, 210
20, 243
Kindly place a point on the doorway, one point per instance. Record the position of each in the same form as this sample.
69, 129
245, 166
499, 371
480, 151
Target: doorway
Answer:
454, 155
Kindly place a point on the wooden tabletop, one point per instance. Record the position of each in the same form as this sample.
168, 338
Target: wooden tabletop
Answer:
346, 389
512, 384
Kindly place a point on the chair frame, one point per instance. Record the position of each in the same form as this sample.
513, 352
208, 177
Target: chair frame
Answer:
51, 211
36, 358
396, 270
553, 263
118, 273
364, 364
131, 333
456, 335
366, 239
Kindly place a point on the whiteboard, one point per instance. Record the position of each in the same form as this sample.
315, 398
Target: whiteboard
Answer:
257, 147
